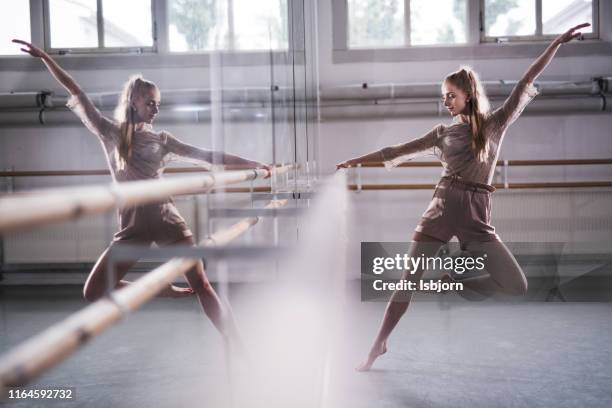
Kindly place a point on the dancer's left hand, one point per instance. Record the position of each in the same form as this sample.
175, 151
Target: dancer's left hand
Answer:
571, 34
344, 165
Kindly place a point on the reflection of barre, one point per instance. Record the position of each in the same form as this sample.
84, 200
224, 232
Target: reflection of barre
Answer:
40, 207
30, 359
106, 172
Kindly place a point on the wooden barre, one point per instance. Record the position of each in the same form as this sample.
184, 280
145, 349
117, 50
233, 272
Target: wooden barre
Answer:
31, 358
233, 190
571, 184
556, 162
180, 170
28, 209
104, 172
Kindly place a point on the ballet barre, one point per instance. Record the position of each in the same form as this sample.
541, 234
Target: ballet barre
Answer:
505, 164
554, 162
27, 361
34, 208
104, 172
569, 184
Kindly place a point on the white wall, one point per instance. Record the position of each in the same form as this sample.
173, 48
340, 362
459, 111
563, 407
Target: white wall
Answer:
392, 215
379, 216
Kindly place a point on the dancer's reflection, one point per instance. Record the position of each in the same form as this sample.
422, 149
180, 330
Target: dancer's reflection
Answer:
135, 151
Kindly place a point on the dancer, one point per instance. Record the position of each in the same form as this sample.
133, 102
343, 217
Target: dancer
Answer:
134, 151
461, 206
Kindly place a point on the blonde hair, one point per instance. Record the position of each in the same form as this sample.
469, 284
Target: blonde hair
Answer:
477, 106
124, 114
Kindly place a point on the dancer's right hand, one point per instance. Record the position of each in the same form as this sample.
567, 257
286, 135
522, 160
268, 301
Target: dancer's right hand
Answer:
31, 49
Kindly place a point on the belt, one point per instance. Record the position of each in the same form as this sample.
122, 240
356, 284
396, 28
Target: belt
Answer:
470, 185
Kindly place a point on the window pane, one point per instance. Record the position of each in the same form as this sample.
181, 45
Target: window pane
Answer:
190, 24
260, 25
73, 23
509, 17
14, 23
561, 15
439, 22
376, 23
127, 23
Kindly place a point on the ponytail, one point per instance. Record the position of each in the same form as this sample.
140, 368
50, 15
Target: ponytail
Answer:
477, 107
125, 115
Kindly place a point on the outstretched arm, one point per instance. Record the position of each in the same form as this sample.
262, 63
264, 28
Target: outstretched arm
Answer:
80, 104
391, 152
376, 156
543, 60
524, 91
182, 149
58, 72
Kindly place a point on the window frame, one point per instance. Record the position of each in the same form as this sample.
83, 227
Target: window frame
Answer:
538, 36
161, 41
159, 56
474, 49
100, 49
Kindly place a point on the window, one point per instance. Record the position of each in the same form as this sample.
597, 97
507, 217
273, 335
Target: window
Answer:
439, 22
409, 30
375, 23
191, 24
260, 25
14, 24
506, 20
399, 23
99, 24
127, 23
204, 25
245, 30
560, 15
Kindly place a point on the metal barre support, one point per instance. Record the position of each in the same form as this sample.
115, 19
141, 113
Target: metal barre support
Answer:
283, 195
129, 252
254, 212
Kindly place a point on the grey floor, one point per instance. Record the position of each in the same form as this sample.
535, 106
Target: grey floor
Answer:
446, 352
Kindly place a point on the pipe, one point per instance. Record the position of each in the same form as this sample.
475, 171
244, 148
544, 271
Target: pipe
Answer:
337, 103
425, 90
24, 363
187, 114
257, 95
35, 208
20, 100
339, 110
407, 109
428, 90
194, 96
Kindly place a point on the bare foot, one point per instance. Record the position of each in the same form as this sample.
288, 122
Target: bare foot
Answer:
375, 352
175, 291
